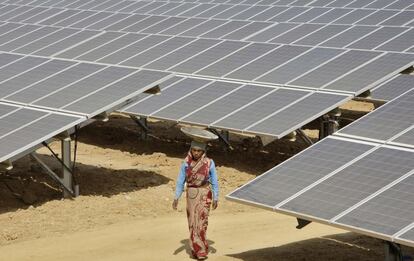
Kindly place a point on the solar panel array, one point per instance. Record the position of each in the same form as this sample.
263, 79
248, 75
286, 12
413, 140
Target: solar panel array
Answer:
326, 51
360, 179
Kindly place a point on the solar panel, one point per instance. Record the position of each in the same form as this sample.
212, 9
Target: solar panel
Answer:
269, 13
388, 212
407, 238
27, 15
91, 44
135, 48
354, 16
226, 105
330, 71
372, 73
268, 62
289, 14
263, 107
111, 47
377, 17
163, 25
183, 26
74, 18
182, 54
194, 100
290, 177
27, 38
322, 35
405, 139
393, 88
170, 94
203, 27
23, 128
125, 23
399, 43
207, 57
328, 198
237, 59
272, 32
385, 122
297, 115
377, 38
331, 16
246, 31
296, 33
299, 65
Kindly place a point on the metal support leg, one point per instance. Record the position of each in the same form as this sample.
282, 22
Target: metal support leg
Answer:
224, 136
143, 123
304, 137
329, 125
67, 174
393, 252
53, 175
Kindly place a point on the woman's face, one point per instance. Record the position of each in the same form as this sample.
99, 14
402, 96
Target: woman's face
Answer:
197, 153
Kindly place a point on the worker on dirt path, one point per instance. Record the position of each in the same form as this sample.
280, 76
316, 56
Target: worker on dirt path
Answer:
199, 172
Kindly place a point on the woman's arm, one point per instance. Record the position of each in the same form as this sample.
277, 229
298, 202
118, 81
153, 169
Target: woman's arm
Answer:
214, 181
179, 187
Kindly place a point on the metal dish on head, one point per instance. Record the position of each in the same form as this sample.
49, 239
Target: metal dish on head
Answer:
198, 134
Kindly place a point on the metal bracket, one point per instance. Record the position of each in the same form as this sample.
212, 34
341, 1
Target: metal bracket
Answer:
329, 125
156, 90
302, 223
223, 136
393, 252
304, 137
104, 116
52, 174
143, 123
6, 165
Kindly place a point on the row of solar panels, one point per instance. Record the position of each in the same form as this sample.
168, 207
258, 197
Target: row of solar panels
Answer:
396, 39
238, 107
352, 183
114, 5
229, 12
296, 66
41, 97
376, 4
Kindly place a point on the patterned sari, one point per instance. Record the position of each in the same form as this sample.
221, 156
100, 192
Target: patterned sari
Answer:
199, 198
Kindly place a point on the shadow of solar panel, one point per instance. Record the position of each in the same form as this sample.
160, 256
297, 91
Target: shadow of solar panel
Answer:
299, 172
349, 186
386, 213
385, 122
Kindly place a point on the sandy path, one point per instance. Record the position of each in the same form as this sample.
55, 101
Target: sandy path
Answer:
162, 239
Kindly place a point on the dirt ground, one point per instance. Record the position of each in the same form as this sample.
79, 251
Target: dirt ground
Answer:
124, 210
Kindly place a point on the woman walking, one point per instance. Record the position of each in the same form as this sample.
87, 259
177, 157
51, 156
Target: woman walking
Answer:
199, 172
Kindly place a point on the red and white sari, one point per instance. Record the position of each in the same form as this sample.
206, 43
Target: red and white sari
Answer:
199, 198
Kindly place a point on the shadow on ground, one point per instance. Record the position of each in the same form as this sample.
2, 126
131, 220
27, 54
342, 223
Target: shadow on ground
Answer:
121, 133
27, 184
185, 246
340, 247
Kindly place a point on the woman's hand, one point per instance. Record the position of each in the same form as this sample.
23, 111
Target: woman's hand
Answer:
215, 204
175, 204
